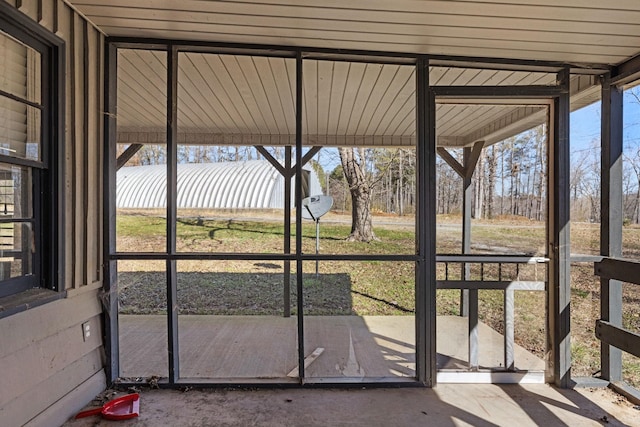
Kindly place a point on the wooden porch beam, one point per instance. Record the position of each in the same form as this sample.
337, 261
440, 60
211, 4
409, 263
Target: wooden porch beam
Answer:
470, 159
286, 171
622, 339
309, 154
451, 161
618, 269
626, 72
267, 155
127, 155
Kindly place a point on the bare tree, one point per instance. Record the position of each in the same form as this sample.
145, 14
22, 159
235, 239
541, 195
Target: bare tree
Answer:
354, 168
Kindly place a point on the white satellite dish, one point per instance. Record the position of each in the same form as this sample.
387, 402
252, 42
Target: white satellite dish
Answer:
315, 206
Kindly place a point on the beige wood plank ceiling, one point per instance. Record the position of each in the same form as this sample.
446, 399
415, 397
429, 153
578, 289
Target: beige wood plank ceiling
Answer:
249, 100
580, 31
226, 99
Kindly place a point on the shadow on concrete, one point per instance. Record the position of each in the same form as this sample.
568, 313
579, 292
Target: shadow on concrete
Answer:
557, 408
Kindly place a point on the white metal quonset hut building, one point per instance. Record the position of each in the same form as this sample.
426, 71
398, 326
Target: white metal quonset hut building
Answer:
253, 184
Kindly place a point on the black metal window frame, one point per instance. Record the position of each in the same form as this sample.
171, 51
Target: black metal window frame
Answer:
293, 253
425, 257
46, 174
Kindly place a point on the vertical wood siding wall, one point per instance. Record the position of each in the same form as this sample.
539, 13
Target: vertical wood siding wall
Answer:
47, 370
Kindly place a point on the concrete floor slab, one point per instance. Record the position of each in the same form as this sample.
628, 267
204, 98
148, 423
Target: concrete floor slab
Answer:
355, 347
447, 405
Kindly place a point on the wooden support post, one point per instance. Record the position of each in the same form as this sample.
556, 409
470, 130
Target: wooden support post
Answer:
473, 156
611, 221
469, 163
559, 310
466, 230
469, 298
287, 171
509, 329
473, 330
465, 170
466, 239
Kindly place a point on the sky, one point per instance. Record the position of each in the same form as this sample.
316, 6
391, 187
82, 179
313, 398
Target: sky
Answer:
585, 124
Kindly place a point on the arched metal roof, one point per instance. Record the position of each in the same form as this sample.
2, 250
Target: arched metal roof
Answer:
226, 185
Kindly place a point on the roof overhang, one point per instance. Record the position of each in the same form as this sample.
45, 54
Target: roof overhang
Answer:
355, 45
572, 31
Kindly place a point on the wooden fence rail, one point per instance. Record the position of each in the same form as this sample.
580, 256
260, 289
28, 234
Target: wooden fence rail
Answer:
615, 335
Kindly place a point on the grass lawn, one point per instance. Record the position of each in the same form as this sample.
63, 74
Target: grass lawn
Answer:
358, 287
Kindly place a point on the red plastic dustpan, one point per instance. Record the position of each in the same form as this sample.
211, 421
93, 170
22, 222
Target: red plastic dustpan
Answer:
122, 408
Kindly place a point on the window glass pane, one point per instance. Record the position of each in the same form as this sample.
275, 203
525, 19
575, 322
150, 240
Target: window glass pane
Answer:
19, 129
236, 128
523, 304
142, 319
631, 223
328, 227
508, 208
16, 245
631, 322
631, 174
358, 135
234, 320
585, 238
21, 134
16, 238
230, 199
15, 192
141, 201
585, 180
141, 183
360, 316
19, 69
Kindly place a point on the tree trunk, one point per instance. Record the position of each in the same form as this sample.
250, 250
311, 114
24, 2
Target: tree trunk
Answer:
479, 185
400, 183
502, 192
361, 227
492, 182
